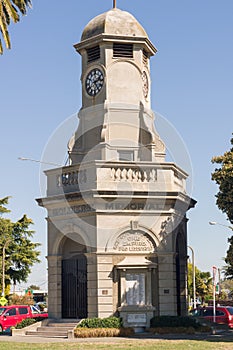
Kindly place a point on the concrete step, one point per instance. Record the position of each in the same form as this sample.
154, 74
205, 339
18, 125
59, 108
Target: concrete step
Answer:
54, 329
61, 325
48, 334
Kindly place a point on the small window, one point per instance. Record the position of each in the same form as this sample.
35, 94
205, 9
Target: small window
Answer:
126, 155
35, 310
23, 310
122, 50
220, 313
145, 57
230, 310
11, 312
195, 312
207, 312
2, 309
93, 54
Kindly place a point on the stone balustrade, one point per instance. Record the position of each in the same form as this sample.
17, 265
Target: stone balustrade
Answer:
133, 174
97, 175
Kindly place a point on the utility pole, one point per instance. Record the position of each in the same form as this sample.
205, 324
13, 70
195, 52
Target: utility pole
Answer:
214, 292
194, 278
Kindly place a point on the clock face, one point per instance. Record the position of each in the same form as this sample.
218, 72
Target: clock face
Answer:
145, 85
94, 82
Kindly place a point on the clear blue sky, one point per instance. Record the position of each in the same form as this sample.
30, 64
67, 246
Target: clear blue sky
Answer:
192, 77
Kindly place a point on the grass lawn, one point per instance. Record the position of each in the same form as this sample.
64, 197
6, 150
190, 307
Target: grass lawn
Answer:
127, 345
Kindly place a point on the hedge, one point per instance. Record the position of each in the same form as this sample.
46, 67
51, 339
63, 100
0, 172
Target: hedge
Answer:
28, 321
174, 321
25, 323
109, 322
82, 332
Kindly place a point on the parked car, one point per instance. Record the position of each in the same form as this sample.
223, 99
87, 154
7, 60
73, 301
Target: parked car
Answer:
11, 315
41, 306
224, 314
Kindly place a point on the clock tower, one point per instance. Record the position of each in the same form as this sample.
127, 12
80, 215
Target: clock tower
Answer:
116, 89
117, 226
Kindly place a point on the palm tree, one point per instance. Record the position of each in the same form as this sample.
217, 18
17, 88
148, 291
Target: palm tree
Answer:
9, 11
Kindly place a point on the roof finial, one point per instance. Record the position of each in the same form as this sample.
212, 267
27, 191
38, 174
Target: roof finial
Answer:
114, 4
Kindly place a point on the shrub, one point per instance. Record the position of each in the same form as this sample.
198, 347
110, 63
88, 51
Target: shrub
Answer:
109, 322
25, 323
82, 332
15, 299
174, 321
178, 330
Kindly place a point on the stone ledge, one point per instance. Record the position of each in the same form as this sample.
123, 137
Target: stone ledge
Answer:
22, 331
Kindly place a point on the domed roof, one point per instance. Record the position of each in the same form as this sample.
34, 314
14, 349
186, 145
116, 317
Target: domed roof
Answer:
114, 22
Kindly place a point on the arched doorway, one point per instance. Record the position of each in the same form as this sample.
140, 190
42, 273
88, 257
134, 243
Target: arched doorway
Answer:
74, 279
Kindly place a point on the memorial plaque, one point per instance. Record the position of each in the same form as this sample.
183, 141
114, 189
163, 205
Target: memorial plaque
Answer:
136, 318
135, 289
133, 242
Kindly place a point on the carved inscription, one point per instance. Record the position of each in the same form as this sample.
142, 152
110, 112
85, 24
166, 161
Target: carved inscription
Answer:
133, 242
136, 318
133, 206
84, 208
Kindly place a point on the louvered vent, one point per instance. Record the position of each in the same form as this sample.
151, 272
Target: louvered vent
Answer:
123, 50
93, 53
145, 57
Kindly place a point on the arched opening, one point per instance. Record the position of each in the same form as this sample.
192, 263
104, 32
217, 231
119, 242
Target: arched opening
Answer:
74, 279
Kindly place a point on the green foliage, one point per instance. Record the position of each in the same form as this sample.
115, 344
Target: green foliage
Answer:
9, 12
203, 281
173, 321
15, 299
109, 322
223, 176
3, 202
179, 330
227, 284
228, 269
34, 287
20, 252
25, 323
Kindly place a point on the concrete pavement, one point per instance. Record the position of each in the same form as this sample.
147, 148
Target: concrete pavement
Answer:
219, 336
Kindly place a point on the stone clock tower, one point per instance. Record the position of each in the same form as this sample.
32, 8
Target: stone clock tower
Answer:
116, 53
117, 227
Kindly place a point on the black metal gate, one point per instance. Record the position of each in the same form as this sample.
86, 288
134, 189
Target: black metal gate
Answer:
74, 287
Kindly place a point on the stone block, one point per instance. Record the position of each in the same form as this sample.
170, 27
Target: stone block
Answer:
105, 284
105, 268
92, 292
104, 259
106, 275
105, 308
105, 300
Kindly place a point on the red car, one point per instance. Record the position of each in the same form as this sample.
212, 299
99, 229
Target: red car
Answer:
224, 314
11, 315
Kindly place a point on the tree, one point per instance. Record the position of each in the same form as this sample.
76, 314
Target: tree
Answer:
203, 282
3, 202
223, 176
9, 11
228, 269
34, 287
20, 253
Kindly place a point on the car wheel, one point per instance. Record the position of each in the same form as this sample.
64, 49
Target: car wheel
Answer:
1, 330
